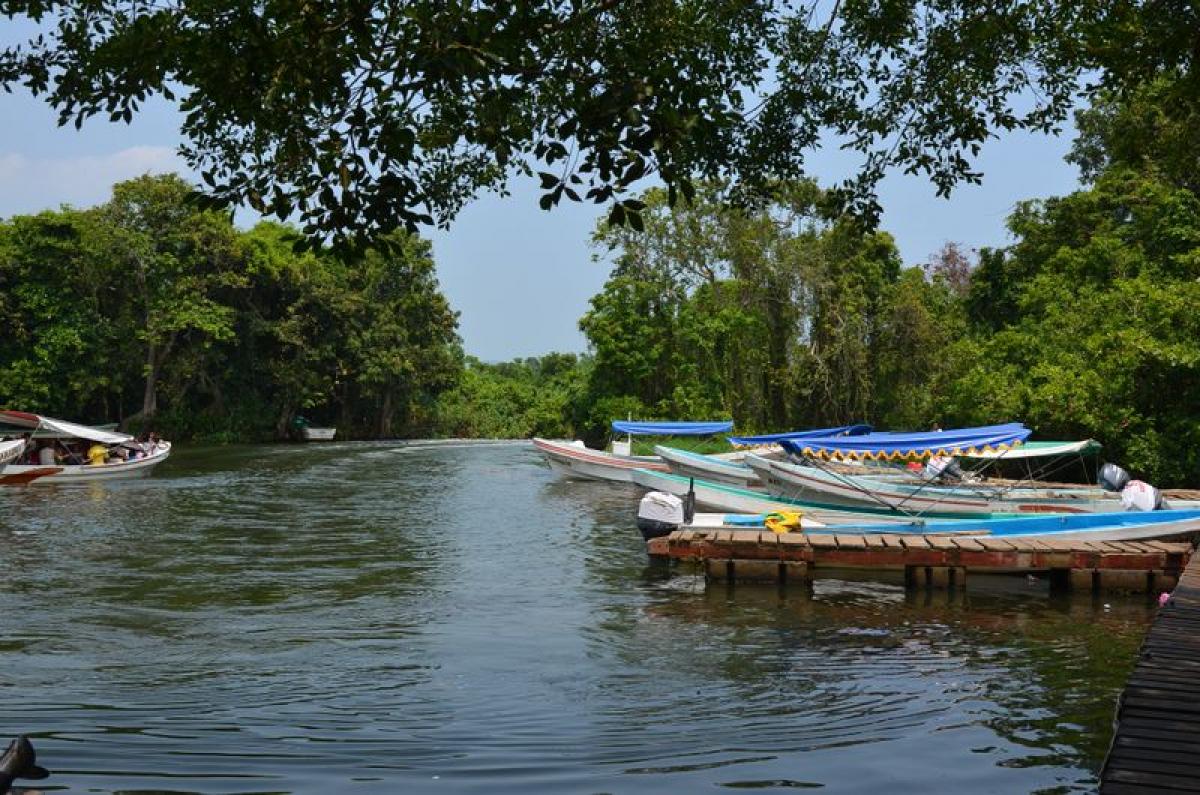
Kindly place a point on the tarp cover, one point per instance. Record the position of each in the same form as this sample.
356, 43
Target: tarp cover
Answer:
890, 446
671, 428
69, 430
771, 438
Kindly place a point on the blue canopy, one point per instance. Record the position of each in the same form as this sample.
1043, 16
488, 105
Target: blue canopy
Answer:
769, 438
671, 428
883, 446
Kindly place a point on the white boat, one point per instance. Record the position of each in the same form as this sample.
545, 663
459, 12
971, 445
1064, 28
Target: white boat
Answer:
128, 458
726, 468
575, 459
310, 434
734, 500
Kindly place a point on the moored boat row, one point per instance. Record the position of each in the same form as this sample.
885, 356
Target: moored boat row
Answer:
854, 480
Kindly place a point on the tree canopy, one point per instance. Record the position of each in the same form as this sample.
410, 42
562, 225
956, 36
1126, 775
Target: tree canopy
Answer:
362, 117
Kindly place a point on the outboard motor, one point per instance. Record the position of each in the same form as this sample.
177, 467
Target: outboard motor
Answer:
1112, 478
659, 514
943, 468
1139, 496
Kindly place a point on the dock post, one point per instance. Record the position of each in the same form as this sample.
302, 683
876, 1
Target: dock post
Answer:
936, 577
1083, 580
718, 569
796, 572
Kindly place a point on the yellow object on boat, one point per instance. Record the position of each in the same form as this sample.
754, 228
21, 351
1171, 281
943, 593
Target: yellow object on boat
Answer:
783, 521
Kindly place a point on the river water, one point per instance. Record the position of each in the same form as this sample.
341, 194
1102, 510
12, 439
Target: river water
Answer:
456, 619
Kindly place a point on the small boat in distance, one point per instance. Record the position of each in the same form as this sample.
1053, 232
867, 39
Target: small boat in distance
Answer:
305, 432
57, 451
574, 459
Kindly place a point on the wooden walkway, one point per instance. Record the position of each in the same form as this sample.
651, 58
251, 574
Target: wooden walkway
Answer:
1156, 747
936, 561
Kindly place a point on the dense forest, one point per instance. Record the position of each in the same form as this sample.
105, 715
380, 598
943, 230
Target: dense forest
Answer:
779, 313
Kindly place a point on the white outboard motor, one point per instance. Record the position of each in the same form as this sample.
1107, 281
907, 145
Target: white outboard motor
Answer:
1112, 478
659, 514
1139, 496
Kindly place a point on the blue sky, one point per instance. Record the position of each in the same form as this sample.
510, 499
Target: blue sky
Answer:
519, 276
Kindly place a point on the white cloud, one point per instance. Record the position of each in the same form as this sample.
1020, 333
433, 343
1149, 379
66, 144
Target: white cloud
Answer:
32, 184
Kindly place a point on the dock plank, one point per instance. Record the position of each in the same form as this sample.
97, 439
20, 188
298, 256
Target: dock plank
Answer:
1156, 745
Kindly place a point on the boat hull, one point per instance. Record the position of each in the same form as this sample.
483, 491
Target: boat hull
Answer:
807, 482
318, 434
709, 468
731, 499
576, 461
22, 474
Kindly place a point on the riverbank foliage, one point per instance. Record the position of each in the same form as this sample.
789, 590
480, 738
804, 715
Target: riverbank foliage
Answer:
151, 311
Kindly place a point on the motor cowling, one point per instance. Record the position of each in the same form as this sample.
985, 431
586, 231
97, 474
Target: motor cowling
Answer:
1112, 478
659, 514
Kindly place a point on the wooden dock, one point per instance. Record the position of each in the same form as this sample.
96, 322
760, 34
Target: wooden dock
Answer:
932, 561
1156, 746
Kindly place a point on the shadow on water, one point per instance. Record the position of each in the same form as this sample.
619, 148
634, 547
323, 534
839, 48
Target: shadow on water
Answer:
377, 617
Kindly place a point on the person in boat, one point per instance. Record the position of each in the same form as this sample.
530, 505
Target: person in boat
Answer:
46, 456
97, 454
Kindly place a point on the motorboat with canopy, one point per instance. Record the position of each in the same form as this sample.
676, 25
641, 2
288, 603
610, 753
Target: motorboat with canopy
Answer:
810, 476
574, 459
58, 451
729, 467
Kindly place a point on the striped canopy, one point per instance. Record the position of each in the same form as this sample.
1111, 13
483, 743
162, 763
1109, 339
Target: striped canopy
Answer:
900, 446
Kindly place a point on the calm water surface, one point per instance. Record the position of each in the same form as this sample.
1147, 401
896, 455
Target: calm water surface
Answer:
455, 619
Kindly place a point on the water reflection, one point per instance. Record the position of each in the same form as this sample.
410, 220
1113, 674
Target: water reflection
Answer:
376, 617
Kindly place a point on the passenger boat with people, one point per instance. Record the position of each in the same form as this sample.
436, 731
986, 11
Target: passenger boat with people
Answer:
57, 451
575, 459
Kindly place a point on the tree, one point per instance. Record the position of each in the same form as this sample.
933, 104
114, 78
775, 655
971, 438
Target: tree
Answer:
1099, 337
361, 117
174, 259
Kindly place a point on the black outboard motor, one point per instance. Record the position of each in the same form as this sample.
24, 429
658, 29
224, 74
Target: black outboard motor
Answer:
1112, 478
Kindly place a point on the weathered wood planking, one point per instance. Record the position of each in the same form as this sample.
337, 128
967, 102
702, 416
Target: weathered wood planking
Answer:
1156, 745
934, 561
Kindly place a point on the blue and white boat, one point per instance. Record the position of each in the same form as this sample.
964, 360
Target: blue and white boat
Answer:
1111, 526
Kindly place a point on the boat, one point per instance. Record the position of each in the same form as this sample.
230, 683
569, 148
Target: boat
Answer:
129, 458
310, 433
816, 480
716, 469
657, 516
11, 449
732, 499
729, 467
575, 459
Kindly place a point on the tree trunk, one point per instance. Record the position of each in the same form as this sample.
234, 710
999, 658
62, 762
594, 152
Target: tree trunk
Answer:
386, 412
150, 396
